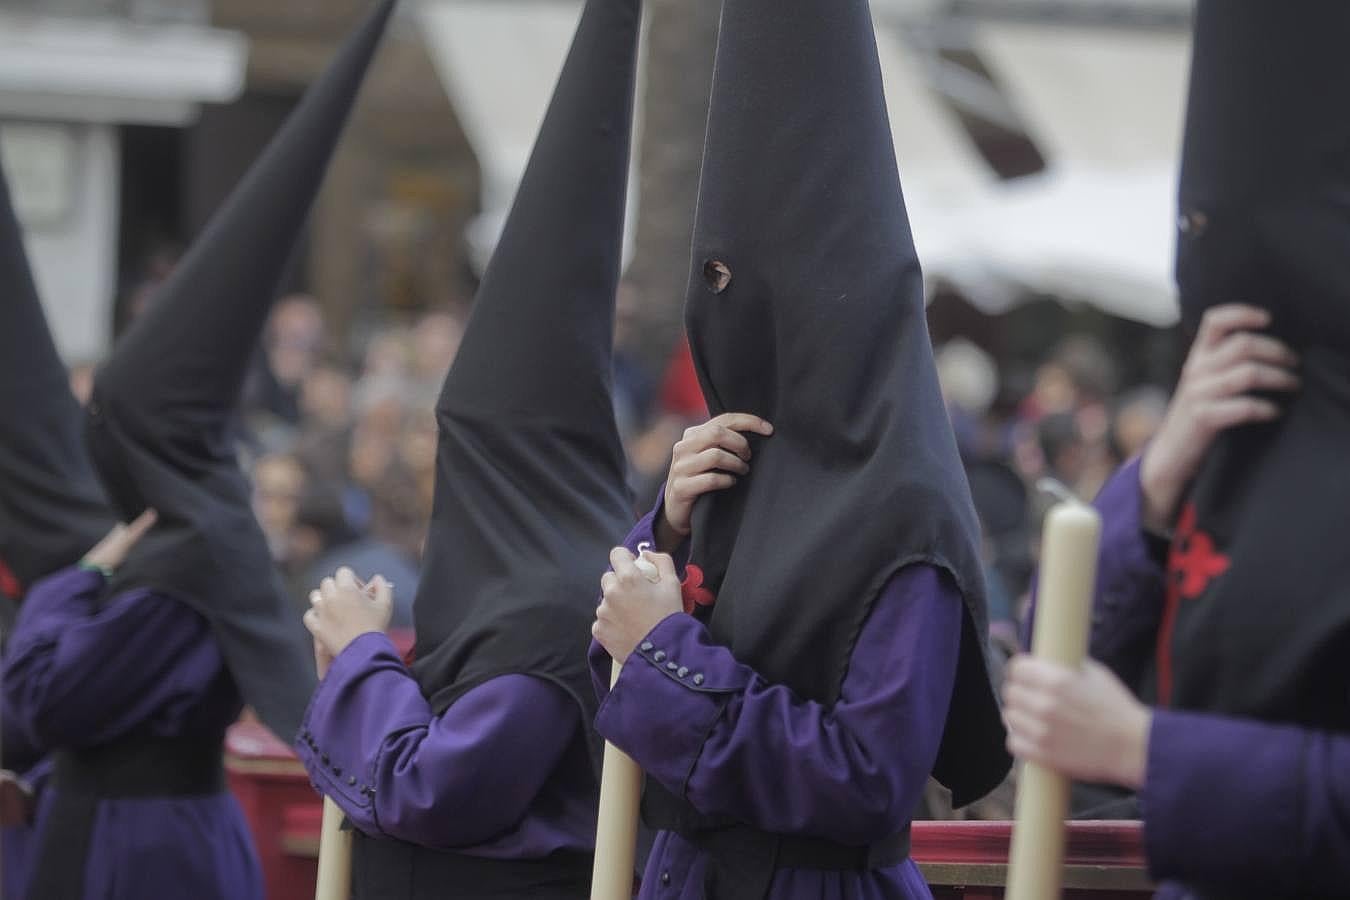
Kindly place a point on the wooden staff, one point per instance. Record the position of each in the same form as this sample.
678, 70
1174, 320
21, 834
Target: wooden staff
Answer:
620, 793
1063, 610
335, 856
335, 845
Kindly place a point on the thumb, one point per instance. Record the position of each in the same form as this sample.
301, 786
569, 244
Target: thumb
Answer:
665, 565
384, 592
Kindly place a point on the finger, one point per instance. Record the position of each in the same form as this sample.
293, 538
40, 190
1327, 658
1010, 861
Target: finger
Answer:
345, 578
622, 561
715, 458
1026, 726
328, 588
697, 485
1031, 673
1234, 411
137, 529
608, 582
315, 598
744, 422
707, 436
1247, 377
382, 591
311, 620
1221, 321
665, 565
1248, 346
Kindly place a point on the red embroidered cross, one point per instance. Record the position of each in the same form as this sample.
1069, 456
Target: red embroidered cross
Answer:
1192, 564
693, 592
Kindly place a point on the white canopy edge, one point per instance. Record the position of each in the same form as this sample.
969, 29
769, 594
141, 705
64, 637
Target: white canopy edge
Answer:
1097, 97
499, 61
113, 72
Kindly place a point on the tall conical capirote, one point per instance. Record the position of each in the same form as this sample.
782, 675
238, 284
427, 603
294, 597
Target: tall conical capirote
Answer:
530, 491
806, 307
1264, 219
160, 419
52, 509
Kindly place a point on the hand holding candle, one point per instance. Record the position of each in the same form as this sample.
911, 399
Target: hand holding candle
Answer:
620, 794
334, 595
1067, 575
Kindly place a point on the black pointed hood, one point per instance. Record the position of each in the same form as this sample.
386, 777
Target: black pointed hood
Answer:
52, 509
160, 419
1264, 219
530, 492
1265, 186
805, 307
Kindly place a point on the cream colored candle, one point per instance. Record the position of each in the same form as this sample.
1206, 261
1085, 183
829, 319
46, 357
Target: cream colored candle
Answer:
616, 829
620, 793
1063, 610
335, 856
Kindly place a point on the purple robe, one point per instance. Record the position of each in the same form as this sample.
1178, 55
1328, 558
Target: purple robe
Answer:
79, 674
739, 746
1242, 807
503, 773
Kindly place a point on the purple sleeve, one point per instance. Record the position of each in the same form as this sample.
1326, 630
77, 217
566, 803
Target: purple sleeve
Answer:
78, 674
644, 532
1130, 585
716, 733
370, 741
1127, 608
1232, 803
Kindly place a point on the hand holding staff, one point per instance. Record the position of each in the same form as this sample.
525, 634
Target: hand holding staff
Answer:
341, 610
620, 793
1068, 572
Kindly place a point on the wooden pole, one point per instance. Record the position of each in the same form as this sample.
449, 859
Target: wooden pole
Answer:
1063, 611
335, 856
620, 795
616, 828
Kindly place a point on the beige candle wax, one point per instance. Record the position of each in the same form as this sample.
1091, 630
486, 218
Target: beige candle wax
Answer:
1063, 610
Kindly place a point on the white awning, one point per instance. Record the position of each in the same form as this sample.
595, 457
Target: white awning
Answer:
1104, 105
1106, 108
1109, 97
945, 178
105, 71
499, 61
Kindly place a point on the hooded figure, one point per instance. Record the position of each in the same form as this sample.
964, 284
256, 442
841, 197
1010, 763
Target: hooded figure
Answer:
130, 678
52, 509
476, 767
1265, 219
805, 308
161, 417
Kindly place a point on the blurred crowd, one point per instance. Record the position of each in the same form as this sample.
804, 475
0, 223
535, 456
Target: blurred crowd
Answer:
1067, 433
342, 443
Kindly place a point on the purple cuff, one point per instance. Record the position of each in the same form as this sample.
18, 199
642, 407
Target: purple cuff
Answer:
1220, 802
69, 593
671, 693
324, 745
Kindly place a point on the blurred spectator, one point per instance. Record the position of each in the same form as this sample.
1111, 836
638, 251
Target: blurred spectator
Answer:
392, 547
435, 342
1138, 417
326, 398
291, 346
970, 384
679, 405
634, 385
278, 485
